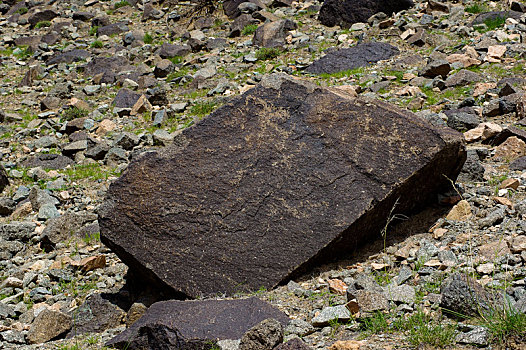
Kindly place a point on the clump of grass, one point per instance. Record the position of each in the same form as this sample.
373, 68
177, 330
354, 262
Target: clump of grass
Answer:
97, 44
148, 39
74, 113
475, 8
120, 4
88, 239
93, 30
505, 323
249, 29
43, 24
177, 74
201, 109
375, 324
22, 52
176, 59
266, 53
22, 10
424, 330
491, 24
88, 171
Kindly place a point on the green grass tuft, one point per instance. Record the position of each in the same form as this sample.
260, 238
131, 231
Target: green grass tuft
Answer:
249, 29
266, 53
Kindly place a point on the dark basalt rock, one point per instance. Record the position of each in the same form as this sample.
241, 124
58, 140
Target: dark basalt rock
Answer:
109, 67
493, 15
48, 161
284, 177
68, 57
346, 12
195, 324
361, 55
4, 180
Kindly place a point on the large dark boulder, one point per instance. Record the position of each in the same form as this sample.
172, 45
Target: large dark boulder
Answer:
48, 161
346, 12
281, 178
195, 324
109, 67
361, 55
71, 56
4, 180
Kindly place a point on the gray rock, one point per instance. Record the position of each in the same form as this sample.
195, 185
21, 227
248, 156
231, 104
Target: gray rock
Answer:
496, 215
265, 335
330, 313
272, 34
478, 336
47, 211
462, 296
116, 156
6, 311
370, 301
162, 137
126, 140
472, 171
17, 231
7, 206
401, 294
170, 50
74, 147
299, 327
4, 180
462, 78
462, 121
63, 228
229, 344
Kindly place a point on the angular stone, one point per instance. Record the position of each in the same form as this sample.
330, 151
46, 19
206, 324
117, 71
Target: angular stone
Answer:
462, 78
439, 68
401, 294
265, 335
194, 324
293, 344
96, 314
273, 34
126, 98
460, 212
40, 16
171, 50
4, 180
463, 296
331, 313
345, 13
64, 227
313, 163
48, 161
68, 57
112, 29
511, 149
48, 325
361, 55
370, 301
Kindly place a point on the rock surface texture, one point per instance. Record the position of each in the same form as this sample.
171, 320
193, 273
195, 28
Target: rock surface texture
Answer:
196, 324
285, 176
345, 13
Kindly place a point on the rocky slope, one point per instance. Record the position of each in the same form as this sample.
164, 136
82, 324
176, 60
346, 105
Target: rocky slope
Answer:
87, 86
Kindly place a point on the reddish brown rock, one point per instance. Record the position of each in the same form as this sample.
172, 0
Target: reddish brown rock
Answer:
284, 177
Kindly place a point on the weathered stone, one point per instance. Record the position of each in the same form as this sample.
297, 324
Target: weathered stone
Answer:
265, 335
472, 171
462, 121
112, 29
98, 313
460, 212
163, 68
4, 180
273, 34
68, 57
195, 323
401, 294
64, 227
48, 325
370, 301
333, 145
107, 67
126, 98
345, 13
7, 206
171, 50
438, 68
463, 296
134, 313
462, 78
347, 345
493, 15
48, 161
510, 149
478, 336
17, 231
40, 16
293, 344
331, 313
361, 55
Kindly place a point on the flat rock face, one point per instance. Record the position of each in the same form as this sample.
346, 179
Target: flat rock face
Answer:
345, 13
361, 55
285, 176
194, 324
